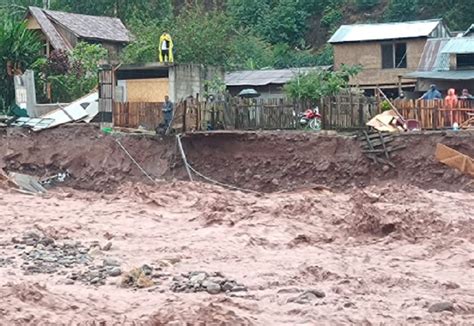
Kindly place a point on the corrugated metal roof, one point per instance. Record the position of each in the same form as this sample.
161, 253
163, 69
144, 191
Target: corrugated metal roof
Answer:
386, 31
266, 77
459, 45
431, 58
49, 30
446, 75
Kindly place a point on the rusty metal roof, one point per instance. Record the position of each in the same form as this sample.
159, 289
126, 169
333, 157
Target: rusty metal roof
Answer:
431, 58
83, 26
386, 31
266, 77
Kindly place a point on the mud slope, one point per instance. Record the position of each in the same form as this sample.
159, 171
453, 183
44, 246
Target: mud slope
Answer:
272, 161
261, 161
95, 160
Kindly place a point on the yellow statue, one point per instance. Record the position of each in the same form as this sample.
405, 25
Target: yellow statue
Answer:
165, 51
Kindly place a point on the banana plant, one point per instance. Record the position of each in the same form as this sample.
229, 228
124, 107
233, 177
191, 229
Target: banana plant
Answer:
19, 47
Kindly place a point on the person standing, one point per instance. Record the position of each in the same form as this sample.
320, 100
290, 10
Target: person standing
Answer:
466, 95
432, 94
451, 100
450, 103
167, 112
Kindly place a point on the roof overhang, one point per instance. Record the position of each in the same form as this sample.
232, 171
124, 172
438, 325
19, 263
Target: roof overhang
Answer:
442, 75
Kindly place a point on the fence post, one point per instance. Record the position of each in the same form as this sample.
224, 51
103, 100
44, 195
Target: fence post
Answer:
185, 106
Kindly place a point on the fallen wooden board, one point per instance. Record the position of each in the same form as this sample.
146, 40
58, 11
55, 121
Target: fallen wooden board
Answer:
455, 159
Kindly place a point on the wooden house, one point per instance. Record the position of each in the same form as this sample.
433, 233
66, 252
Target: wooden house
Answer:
62, 30
386, 52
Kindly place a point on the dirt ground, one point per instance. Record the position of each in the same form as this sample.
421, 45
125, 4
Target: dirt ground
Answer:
330, 239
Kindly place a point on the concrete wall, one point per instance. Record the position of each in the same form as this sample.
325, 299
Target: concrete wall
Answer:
369, 55
26, 96
189, 80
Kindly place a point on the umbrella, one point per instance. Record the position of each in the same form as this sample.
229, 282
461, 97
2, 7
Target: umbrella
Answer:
249, 93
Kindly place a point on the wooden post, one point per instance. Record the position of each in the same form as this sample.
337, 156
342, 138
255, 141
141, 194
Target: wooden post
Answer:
352, 109
185, 111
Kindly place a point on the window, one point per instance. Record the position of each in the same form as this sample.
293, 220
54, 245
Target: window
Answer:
465, 60
394, 55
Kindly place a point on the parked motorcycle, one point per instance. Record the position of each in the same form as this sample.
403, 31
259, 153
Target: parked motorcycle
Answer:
310, 119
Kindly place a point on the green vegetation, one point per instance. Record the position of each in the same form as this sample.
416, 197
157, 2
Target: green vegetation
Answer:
310, 87
19, 48
71, 75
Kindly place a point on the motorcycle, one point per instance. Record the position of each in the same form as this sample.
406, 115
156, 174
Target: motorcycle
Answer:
310, 119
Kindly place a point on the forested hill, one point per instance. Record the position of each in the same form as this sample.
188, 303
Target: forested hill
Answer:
251, 33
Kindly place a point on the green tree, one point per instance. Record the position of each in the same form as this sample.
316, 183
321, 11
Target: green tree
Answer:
248, 13
285, 23
312, 86
458, 17
202, 37
402, 10
250, 52
366, 4
19, 48
144, 48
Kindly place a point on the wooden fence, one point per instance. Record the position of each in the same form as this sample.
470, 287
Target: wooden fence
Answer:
342, 112
248, 114
347, 111
149, 115
138, 114
434, 114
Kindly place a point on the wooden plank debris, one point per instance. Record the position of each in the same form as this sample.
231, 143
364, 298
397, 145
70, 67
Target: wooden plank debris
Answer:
374, 146
455, 159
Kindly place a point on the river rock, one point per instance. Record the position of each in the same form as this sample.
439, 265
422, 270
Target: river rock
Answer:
212, 288
107, 247
307, 297
441, 306
198, 278
110, 262
116, 271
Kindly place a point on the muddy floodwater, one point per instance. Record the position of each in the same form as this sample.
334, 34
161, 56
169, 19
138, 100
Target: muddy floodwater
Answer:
382, 255
324, 236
